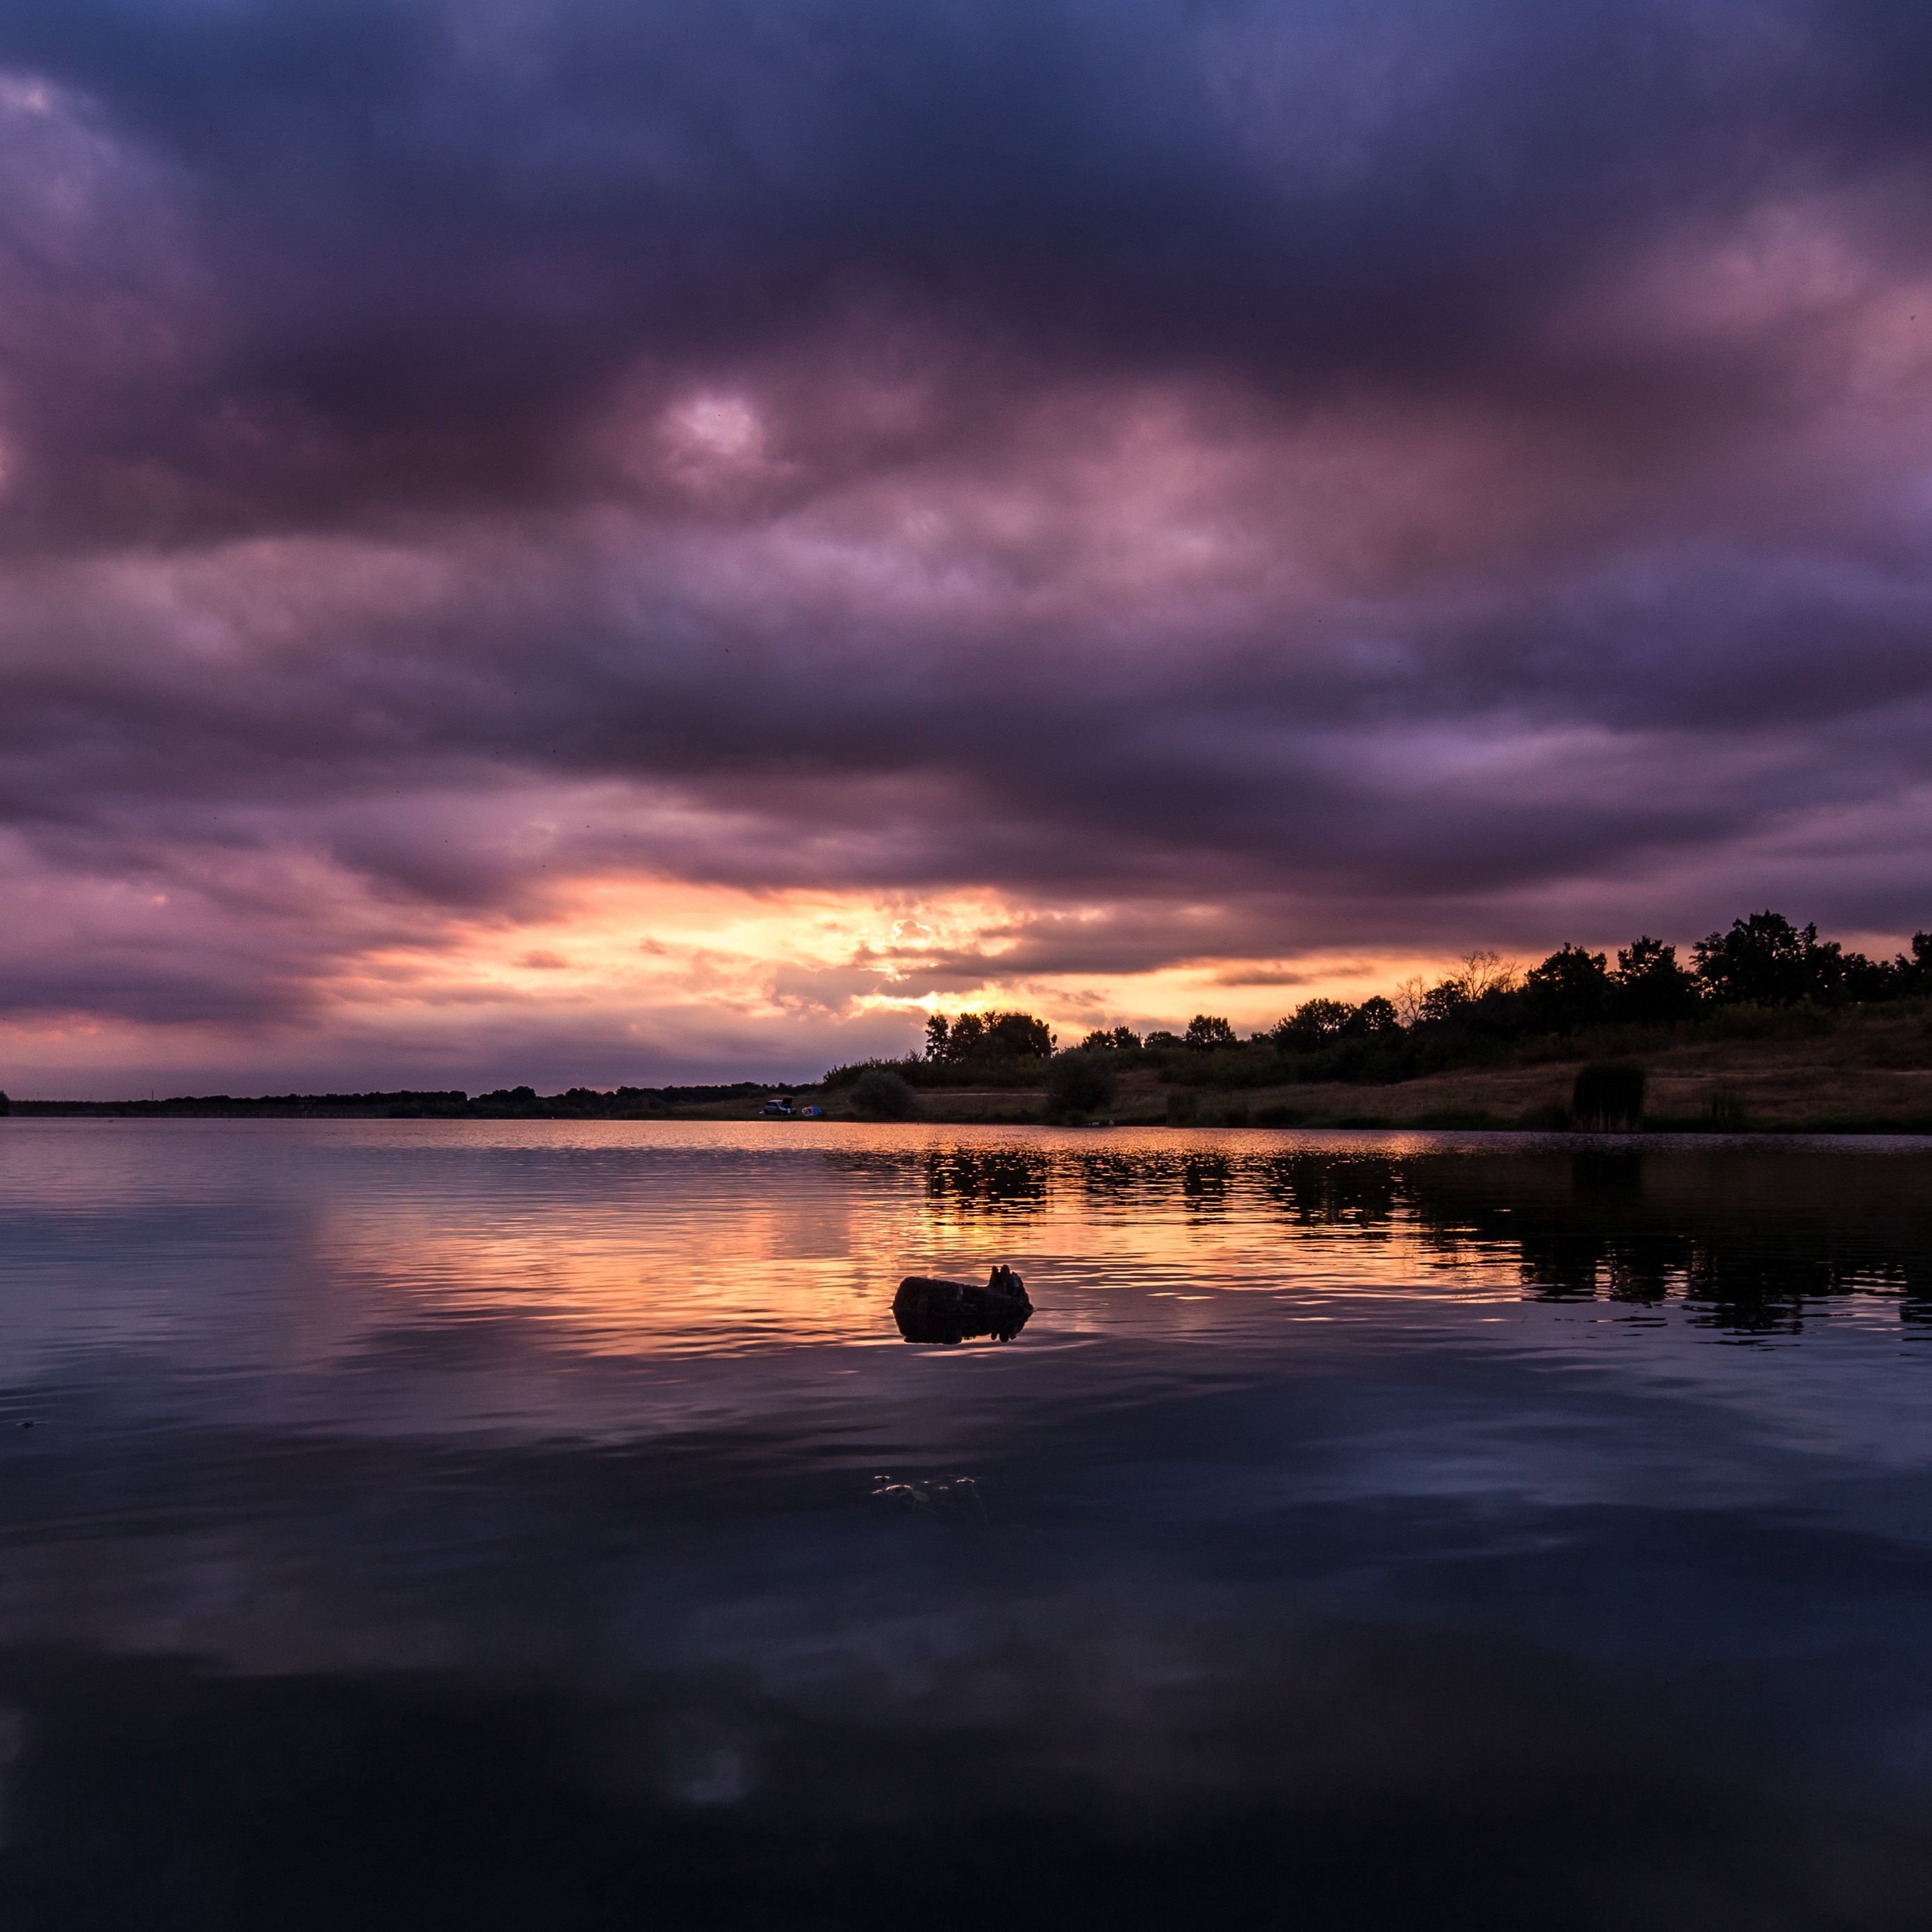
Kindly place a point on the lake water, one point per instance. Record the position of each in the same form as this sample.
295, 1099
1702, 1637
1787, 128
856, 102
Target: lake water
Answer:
543, 1525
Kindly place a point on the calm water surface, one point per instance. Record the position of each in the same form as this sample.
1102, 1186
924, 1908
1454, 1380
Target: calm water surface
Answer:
426, 1525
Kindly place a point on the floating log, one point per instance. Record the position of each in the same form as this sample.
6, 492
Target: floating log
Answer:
928, 1310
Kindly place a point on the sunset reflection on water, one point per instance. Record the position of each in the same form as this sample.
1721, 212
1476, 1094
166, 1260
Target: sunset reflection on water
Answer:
583, 1471
718, 1239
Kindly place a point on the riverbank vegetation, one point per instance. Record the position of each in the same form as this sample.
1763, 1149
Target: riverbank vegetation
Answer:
1746, 996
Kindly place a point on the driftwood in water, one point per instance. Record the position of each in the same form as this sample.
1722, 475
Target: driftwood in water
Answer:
928, 1309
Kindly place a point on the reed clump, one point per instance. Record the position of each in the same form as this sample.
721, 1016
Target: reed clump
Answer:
1608, 1095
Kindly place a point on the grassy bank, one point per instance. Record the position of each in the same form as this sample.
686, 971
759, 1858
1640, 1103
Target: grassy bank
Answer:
1865, 1070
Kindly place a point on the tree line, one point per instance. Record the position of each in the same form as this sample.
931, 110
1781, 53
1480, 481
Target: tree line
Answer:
516, 1103
1763, 960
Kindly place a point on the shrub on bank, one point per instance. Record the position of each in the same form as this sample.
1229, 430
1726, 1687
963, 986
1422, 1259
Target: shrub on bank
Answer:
1002, 1073
1608, 1093
880, 1094
1079, 1082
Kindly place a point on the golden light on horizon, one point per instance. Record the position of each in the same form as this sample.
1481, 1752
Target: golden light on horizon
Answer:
768, 956
637, 971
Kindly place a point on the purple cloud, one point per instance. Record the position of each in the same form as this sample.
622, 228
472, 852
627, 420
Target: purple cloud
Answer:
1234, 488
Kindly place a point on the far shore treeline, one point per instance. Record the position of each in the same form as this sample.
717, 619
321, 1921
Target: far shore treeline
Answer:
506, 1103
1763, 978
1764, 975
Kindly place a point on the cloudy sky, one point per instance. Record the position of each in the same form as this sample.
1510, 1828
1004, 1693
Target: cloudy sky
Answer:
604, 541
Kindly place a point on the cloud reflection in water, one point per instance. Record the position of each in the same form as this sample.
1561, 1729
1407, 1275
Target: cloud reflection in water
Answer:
491, 1521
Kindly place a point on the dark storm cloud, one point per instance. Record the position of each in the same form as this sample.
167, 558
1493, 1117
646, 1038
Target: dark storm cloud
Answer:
433, 236
1492, 746
1373, 474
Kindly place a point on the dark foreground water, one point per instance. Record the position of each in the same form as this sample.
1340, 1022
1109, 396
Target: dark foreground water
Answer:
481, 1526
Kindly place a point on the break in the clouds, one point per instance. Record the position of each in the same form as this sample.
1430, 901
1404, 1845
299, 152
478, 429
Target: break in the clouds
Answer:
585, 540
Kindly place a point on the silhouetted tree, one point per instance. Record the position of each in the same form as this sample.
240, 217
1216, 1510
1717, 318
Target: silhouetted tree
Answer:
1652, 987
1018, 1034
987, 1036
1766, 961
1485, 972
1866, 979
1112, 1039
1205, 1030
968, 1038
1376, 1017
1903, 977
1915, 969
1569, 990
1312, 1023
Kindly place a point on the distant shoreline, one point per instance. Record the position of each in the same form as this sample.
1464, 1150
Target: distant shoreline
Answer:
1652, 1128
1862, 1072
1450, 1120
